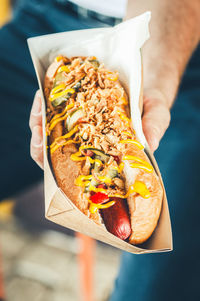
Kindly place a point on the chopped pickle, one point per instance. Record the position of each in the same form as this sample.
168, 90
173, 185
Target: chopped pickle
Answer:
95, 63
58, 101
112, 173
60, 77
101, 155
73, 119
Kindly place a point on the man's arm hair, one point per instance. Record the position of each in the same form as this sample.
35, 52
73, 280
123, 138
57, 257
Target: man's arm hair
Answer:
175, 33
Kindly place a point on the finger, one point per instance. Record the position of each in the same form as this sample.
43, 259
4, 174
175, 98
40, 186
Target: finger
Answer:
155, 121
37, 145
36, 111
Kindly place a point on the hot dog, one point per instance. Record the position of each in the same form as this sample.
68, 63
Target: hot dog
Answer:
95, 155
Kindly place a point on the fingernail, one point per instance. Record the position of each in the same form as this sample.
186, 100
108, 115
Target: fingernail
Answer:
36, 136
36, 109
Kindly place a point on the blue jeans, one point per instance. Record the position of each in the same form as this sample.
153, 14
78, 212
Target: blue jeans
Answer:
158, 277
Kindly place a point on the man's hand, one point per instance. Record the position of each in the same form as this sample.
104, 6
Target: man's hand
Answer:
156, 117
36, 128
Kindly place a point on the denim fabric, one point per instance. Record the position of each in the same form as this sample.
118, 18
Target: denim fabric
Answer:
173, 276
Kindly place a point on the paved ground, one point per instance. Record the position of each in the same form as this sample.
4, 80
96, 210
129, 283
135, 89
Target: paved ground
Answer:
43, 267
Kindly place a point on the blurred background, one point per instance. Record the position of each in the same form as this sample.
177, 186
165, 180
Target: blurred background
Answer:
43, 261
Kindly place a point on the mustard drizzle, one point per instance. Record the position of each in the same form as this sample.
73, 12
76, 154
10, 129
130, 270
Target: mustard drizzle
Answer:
94, 207
58, 119
69, 134
140, 163
135, 142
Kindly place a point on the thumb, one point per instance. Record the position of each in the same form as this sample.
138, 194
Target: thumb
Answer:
156, 118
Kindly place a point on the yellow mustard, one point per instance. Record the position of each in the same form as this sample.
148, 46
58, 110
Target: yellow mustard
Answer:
105, 179
63, 69
54, 148
142, 164
125, 101
99, 162
94, 207
69, 134
127, 133
59, 58
57, 89
137, 187
60, 94
119, 168
69, 106
95, 189
80, 181
57, 118
124, 117
141, 189
77, 155
114, 78
135, 142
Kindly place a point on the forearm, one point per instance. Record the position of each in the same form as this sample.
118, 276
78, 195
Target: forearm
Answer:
175, 32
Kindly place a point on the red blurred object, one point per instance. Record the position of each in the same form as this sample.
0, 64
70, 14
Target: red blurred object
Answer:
86, 266
99, 198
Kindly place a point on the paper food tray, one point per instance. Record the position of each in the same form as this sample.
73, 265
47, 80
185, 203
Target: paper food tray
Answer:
119, 48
